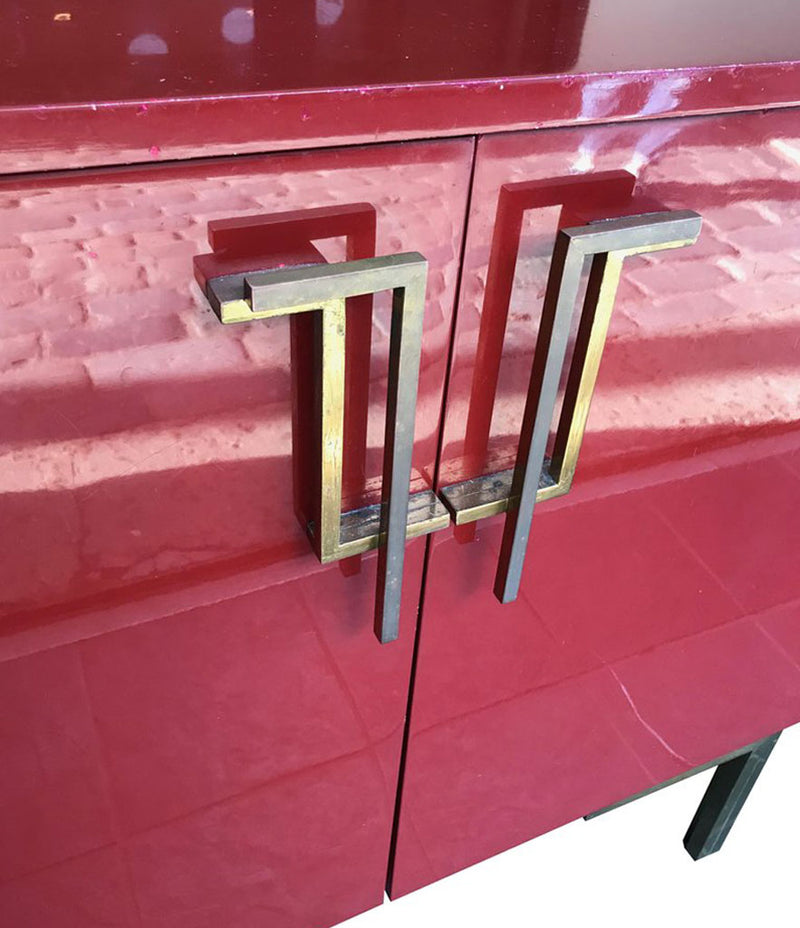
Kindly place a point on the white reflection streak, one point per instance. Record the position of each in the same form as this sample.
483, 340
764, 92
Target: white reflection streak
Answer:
148, 43
328, 12
664, 96
238, 25
790, 151
599, 100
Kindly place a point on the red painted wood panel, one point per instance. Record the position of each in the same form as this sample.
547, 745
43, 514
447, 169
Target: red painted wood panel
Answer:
656, 624
156, 81
198, 726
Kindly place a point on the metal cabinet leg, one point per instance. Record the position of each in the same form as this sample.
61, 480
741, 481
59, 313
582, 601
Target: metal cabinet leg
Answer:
724, 798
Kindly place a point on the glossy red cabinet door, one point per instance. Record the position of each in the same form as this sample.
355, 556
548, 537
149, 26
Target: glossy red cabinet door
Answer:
658, 621
198, 726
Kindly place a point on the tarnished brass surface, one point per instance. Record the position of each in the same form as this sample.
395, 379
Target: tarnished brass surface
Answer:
491, 494
483, 497
325, 288
360, 528
607, 243
332, 437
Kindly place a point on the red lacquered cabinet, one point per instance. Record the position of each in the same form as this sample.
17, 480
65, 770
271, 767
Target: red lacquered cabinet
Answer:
202, 365
655, 627
199, 726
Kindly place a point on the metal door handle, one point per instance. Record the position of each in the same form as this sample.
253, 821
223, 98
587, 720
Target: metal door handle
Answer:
534, 477
324, 288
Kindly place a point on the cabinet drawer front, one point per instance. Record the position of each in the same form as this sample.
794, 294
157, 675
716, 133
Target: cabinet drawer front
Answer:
655, 627
217, 730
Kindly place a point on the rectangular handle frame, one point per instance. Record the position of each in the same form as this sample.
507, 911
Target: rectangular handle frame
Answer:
325, 288
536, 477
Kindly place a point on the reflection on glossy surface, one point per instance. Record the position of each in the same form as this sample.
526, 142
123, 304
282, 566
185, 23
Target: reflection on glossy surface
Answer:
152, 81
125, 396
588, 195
698, 346
208, 765
197, 722
322, 290
656, 626
181, 49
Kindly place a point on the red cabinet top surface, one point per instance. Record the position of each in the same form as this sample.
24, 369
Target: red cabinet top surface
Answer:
89, 82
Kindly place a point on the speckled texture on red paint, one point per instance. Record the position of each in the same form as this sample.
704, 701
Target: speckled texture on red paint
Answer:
169, 75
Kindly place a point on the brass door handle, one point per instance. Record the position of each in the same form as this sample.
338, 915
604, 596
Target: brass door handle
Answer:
535, 477
324, 288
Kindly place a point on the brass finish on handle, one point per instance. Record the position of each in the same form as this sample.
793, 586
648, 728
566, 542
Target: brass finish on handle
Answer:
535, 477
324, 288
